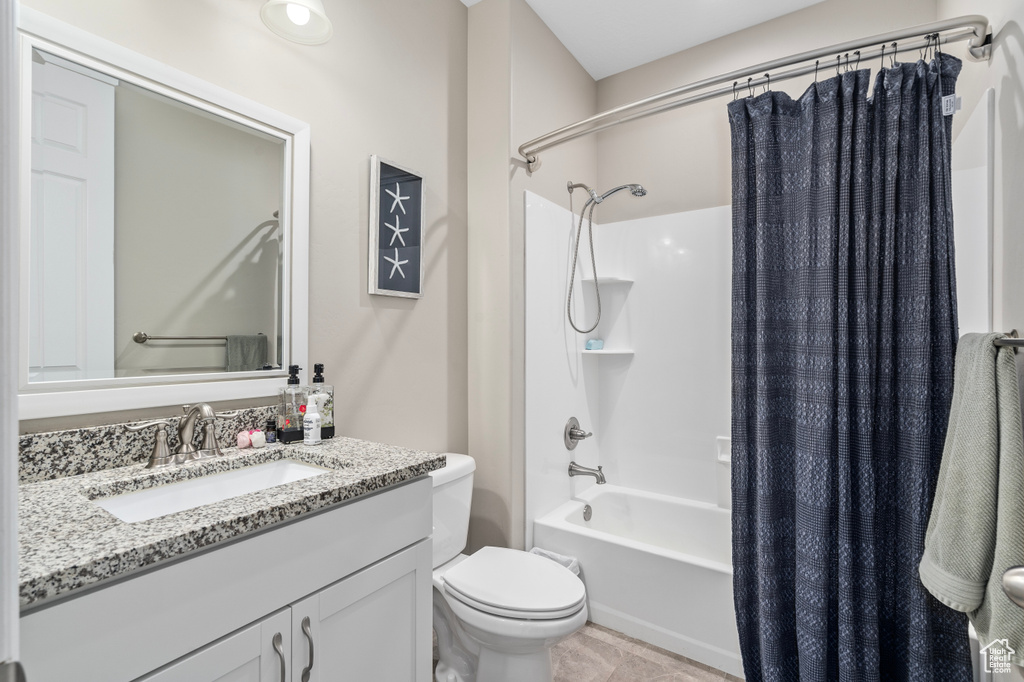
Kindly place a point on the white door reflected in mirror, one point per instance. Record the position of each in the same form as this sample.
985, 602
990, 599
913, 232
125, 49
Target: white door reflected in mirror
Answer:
71, 318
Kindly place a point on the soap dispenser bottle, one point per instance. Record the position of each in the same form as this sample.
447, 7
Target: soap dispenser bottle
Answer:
323, 394
290, 408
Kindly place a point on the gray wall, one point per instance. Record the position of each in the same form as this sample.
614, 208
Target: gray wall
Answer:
522, 83
399, 366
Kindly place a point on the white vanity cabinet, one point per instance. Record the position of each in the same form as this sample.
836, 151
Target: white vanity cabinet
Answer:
364, 627
367, 627
360, 572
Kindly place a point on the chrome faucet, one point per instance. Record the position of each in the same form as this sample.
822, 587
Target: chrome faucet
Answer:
577, 470
185, 451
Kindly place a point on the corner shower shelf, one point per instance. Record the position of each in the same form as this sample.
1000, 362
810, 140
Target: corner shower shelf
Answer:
608, 280
608, 351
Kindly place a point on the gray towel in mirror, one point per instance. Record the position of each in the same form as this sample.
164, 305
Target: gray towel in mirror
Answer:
246, 352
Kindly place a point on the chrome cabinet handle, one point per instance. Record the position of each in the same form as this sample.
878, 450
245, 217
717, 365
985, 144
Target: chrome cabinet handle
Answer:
278, 642
1013, 585
309, 637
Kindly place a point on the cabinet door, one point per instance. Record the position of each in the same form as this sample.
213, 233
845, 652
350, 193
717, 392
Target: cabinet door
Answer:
373, 625
249, 655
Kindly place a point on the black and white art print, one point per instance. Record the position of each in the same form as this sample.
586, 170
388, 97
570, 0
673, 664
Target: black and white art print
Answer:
396, 230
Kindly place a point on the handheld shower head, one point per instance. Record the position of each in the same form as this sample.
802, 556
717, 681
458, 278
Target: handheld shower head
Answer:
635, 190
595, 198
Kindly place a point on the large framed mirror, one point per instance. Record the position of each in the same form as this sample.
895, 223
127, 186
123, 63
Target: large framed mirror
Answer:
164, 239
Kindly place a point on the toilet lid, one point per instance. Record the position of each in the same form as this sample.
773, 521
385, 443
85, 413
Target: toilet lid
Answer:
515, 584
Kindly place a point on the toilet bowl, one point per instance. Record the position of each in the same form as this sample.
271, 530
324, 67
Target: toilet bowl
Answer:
497, 612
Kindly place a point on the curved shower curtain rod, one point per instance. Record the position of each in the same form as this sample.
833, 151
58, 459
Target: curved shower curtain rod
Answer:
973, 28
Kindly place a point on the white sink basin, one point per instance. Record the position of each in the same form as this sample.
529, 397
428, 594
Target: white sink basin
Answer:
142, 505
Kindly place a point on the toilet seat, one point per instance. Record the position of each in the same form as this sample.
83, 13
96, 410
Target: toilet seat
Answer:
515, 584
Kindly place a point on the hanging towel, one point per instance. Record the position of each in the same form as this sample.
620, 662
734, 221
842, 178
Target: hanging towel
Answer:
246, 352
976, 529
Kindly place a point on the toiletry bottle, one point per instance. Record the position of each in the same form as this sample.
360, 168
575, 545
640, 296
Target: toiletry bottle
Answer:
271, 431
324, 394
290, 407
311, 424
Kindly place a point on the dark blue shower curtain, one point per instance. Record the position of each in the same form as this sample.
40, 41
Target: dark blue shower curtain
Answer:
843, 335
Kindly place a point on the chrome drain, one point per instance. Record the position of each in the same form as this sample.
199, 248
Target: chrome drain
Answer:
587, 512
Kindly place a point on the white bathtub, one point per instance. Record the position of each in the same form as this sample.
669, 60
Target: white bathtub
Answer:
656, 567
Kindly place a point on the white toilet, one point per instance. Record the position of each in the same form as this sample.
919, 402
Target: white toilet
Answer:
498, 612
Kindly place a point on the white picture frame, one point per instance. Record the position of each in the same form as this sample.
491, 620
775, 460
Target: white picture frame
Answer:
396, 248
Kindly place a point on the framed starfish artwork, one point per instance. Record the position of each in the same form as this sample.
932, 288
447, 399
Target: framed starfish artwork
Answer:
396, 230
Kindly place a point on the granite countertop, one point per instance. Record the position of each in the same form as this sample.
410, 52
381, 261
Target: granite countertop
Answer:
67, 542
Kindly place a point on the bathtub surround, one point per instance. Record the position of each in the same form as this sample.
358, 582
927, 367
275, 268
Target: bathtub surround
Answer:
58, 454
844, 325
657, 414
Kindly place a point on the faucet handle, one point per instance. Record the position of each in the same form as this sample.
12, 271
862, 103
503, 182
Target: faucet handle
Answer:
209, 446
161, 455
228, 415
145, 425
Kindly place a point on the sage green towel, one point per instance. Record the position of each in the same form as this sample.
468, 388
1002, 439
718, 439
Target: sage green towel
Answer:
976, 529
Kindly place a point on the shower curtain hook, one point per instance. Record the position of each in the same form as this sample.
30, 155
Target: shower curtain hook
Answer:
750, 87
816, 70
768, 82
846, 64
881, 58
892, 57
927, 44
734, 84
857, 65
838, 57
938, 45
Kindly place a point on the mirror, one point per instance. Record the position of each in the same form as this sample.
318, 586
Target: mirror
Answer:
160, 224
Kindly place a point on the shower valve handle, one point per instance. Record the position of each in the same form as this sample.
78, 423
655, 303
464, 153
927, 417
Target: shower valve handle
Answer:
579, 434
573, 434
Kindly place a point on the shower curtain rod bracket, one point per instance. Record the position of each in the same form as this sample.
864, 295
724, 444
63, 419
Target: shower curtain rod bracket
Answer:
973, 28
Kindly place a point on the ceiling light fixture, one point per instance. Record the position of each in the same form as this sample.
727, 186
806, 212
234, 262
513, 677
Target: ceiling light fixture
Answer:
301, 21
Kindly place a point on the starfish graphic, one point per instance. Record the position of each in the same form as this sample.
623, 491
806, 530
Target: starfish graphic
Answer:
398, 198
397, 265
398, 230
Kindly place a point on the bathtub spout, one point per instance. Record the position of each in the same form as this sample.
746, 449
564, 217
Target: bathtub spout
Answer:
577, 470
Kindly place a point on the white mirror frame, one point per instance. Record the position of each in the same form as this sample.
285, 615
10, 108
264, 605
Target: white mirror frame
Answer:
53, 399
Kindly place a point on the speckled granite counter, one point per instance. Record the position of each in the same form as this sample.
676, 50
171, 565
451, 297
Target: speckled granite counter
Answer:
67, 542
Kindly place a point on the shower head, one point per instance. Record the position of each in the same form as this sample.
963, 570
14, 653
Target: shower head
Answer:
635, 190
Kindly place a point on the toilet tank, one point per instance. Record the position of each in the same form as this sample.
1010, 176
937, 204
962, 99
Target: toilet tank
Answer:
453, 493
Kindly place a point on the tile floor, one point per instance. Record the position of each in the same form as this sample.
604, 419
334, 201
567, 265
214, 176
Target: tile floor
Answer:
597, 654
